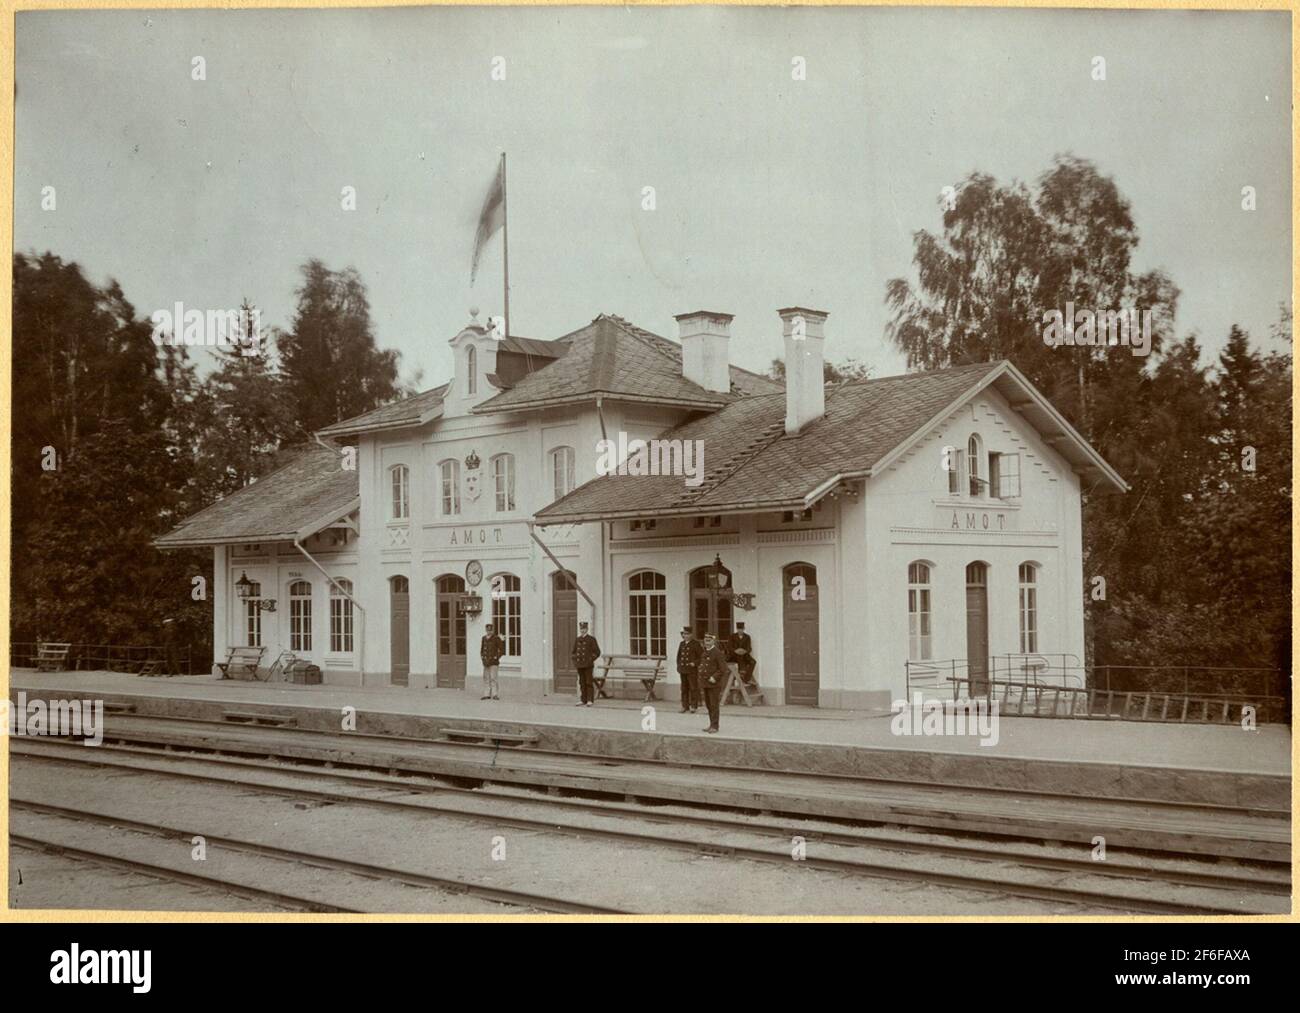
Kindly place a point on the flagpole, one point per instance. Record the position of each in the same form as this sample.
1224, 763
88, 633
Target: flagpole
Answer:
505, 242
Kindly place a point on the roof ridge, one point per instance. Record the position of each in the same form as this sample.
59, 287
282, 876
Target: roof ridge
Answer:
640, 334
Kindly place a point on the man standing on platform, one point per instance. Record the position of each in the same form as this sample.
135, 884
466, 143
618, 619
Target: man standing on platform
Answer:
490, 649
713, 675
586, 652
742, 648
688, 661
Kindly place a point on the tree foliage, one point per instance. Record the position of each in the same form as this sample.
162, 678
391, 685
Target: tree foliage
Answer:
1197, 555
117, 437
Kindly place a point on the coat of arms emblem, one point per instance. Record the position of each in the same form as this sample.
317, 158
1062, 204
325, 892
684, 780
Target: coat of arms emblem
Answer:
472, 476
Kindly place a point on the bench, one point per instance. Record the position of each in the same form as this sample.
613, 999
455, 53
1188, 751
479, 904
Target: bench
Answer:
241, 659
627, 668
52, 657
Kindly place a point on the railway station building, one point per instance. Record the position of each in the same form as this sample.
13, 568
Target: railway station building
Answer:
642, 484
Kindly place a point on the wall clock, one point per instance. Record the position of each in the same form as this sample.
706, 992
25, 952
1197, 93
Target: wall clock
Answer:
473, 573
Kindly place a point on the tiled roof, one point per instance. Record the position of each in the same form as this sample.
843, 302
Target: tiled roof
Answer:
615, 359
312, 488
750, 462
407, 412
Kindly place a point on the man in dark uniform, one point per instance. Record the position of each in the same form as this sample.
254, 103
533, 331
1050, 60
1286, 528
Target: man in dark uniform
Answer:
688, 661
491, 649
586, 652
713, 675
742, 651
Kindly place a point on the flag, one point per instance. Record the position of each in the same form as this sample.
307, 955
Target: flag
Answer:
491, 218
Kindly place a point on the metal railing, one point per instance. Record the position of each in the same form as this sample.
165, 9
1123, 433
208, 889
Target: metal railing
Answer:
1057, 686
104, 657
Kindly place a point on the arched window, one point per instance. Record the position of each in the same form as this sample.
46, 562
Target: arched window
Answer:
506, 611
562, 471
401, 488
918, 612
1028, 608
450, 473
973, 455
400, 585
952, 457
340, 617
253, 616
471, 370
300, 616
647, 610
503, 477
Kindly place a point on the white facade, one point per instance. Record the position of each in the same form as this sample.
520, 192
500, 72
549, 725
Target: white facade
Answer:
862, 541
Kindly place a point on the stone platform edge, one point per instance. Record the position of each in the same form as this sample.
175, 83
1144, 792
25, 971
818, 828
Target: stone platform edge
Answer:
1084, 778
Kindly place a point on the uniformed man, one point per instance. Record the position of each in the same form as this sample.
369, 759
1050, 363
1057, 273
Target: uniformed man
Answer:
490, 649
688, 662
586, 652
742, 650
713, 675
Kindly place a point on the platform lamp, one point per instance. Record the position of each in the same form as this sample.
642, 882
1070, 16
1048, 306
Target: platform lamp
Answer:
718, 577
244, 588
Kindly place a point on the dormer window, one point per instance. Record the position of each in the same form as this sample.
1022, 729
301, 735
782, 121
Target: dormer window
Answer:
471, 370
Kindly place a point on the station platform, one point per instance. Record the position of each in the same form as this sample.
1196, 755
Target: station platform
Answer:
1212, 764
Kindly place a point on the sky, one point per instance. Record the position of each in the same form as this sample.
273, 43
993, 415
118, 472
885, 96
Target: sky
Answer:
768, 191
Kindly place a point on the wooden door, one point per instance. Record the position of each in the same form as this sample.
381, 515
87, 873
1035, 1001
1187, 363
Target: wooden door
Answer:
802, 636
564, 630
399, 611
977, 627
451, 633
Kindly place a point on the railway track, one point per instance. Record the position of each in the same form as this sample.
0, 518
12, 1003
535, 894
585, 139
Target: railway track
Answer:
1134, 825
315, 860
276, 723
1216, 891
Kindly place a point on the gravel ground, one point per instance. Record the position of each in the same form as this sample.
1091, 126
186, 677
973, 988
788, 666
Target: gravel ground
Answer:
635, 877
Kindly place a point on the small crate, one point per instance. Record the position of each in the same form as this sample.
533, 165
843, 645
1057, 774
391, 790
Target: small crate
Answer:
303, 673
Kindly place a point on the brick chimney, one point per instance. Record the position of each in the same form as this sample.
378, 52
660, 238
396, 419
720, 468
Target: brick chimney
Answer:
704, 337
805, 395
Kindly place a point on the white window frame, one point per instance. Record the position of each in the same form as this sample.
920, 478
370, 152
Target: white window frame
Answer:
1028, 608
471, 370
507, 611
563, 470
1008, 486
503, 482
974, 456
399, 501
253, 616
341, 624
956, 458
300, 613
648, 609
449, 478
920, 614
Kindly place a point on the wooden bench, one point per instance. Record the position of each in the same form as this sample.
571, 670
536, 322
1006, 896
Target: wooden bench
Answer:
52, 657
627, 668
241, 659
